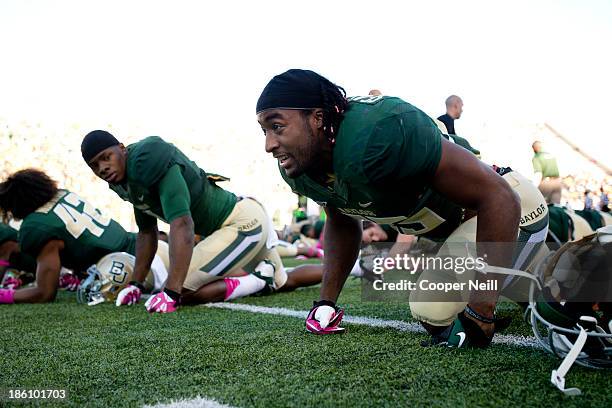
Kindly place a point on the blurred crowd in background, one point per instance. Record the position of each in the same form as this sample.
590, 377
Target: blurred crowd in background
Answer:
56, 150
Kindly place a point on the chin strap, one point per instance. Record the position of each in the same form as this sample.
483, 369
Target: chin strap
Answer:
557, 376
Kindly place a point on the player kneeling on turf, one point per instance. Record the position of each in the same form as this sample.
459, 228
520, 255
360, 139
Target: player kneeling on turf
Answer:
162, 183
381, 159
59, 229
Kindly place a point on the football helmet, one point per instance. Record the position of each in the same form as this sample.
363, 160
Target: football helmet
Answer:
570, 307
105, 279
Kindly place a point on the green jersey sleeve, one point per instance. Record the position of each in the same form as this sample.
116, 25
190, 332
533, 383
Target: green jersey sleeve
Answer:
7, 233
149, 161
174, 194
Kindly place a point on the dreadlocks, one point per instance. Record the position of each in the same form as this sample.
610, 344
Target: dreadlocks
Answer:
25, 191
306, 90
334, 106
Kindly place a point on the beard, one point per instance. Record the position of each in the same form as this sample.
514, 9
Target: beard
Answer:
305, 156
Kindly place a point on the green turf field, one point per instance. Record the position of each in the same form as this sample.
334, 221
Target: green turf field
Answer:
114, 357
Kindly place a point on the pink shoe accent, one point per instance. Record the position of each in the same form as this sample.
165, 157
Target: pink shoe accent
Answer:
314, 252
230, 286
7, 296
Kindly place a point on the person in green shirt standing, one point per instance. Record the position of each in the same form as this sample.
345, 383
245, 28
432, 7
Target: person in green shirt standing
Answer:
163, 184
546, 174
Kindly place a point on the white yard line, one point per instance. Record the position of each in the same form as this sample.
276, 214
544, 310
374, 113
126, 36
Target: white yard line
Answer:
197, 402
507, 339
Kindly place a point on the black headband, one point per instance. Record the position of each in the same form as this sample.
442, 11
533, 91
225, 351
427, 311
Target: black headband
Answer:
96, 141
294, 89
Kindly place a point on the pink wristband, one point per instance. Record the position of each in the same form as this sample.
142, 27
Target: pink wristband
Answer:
4, 262
7, 296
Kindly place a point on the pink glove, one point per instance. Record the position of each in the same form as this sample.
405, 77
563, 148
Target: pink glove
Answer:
7, 296
315, 252
69, 282
129, 295
161, 303
11, 282
324, 318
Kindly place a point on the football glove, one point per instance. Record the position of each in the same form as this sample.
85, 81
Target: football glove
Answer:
7, 296
69, 282
161, 303
11, 281
324, 318
130, 295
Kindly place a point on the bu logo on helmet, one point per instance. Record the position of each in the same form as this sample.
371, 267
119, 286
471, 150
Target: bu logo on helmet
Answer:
118, 272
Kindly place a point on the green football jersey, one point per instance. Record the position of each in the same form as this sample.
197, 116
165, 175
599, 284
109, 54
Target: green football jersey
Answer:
559, 222
17, 260
593, 217
7, 233
87, 234
385, 155
148, 162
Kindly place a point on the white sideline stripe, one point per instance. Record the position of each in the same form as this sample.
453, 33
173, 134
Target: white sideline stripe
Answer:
506, 339
197, 402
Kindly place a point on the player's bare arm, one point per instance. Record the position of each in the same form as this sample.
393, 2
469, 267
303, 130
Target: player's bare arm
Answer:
469, 182
47, 275
181, 249
146, 246
342, 241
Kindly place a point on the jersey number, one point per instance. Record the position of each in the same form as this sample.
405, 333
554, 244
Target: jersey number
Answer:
77, 221
423, 221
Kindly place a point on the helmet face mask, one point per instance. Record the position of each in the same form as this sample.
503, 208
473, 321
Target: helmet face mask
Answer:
106, 278
576, 297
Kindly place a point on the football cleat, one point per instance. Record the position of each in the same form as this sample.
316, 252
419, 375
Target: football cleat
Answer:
161, 303
464, 332
324, 318
265, 271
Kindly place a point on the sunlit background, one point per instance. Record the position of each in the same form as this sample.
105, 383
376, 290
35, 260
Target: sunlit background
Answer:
191, 72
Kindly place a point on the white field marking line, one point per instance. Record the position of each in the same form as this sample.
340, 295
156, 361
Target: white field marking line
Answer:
197, 402
411, 327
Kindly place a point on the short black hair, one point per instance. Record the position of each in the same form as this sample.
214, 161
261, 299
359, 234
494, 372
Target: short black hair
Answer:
305, 229
25, 191
96, 141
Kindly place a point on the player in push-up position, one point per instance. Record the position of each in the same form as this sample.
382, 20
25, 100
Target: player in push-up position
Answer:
163, 183
59, 229
380, 158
